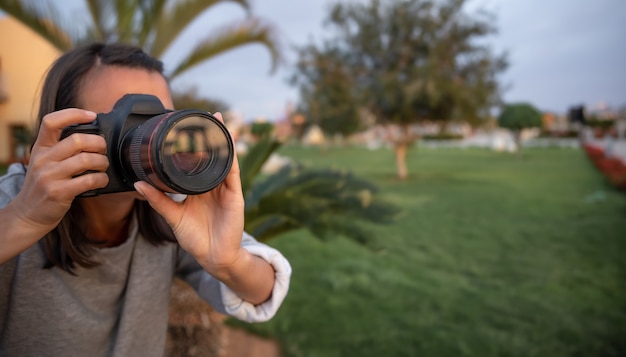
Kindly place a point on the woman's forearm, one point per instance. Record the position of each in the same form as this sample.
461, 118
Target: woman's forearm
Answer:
17, 234
250, 277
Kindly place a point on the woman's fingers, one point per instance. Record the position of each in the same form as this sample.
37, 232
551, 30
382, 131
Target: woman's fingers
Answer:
67, 148
77, 143
53, 124
70, 157
86, 182
81, 163
161, 203
62, 169
67, 190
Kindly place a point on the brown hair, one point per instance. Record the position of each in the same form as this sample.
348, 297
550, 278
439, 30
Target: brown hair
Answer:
66, 245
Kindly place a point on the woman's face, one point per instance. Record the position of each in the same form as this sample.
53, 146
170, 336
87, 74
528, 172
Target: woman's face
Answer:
105, 85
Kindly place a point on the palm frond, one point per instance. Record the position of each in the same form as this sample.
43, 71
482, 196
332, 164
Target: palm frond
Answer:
332, 226
251, 164
129, 21
268, 226
96, 10
42, 18
151, 12
249, 31
126, 27
326, 202
169, 24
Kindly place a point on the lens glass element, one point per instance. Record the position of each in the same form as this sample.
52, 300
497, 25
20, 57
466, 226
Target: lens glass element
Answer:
188, 145
196, 152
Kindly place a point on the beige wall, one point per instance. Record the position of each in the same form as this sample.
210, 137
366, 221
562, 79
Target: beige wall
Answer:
24, 59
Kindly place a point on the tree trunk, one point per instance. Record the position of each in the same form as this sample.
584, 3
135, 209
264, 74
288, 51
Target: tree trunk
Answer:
517, 138
401, 138
401, 149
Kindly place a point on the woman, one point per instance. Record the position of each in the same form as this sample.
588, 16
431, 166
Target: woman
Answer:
92, 276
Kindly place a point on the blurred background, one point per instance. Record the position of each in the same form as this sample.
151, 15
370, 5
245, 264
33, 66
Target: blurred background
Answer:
446, 177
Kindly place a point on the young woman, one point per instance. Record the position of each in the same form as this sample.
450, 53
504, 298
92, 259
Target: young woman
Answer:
92, 276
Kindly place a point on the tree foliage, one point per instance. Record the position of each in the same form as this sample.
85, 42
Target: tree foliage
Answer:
419, 60
517, 117
190, 98
407, 61
154, 25
520, 116
327, 92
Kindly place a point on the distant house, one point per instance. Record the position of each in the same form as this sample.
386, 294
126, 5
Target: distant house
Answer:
24, 59
313, 136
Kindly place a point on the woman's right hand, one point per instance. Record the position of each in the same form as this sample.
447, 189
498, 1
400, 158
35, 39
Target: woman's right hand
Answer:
53, 177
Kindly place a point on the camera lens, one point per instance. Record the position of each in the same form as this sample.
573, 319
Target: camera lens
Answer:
184, 151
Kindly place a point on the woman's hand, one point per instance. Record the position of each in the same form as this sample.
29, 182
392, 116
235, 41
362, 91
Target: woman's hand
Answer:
53, 176
53, 179
209, 226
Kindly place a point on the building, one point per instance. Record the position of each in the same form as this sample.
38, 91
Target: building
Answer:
24, 59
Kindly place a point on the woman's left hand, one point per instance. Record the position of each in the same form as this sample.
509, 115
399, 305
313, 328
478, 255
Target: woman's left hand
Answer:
208, 226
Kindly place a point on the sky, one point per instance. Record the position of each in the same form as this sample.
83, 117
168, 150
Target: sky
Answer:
561, 52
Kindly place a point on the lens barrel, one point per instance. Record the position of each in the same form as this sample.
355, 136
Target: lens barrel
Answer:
186, 151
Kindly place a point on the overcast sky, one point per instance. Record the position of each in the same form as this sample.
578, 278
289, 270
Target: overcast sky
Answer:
562, 53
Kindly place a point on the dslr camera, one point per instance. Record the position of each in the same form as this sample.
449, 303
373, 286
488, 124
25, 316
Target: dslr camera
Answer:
177, 151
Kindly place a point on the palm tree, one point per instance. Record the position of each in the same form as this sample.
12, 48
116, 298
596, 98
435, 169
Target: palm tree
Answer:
154, 25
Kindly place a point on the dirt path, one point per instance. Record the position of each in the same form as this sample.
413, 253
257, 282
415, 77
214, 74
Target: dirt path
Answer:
240, 343
196, 329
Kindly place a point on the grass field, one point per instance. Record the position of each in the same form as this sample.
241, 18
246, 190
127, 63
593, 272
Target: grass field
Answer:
493, 256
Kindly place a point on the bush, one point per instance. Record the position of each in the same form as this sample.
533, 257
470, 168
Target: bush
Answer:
443, 136
600, 124
613, 169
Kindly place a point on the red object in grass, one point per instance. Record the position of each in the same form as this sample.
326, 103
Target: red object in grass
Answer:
614, 169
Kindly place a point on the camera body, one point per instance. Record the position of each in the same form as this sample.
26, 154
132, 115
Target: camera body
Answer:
186, 151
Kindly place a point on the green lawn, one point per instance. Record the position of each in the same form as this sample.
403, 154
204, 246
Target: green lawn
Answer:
493, 256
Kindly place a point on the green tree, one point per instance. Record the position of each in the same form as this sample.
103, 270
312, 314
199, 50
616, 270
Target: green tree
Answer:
154, 25
517, 117
410, 61
190, 98
327, 92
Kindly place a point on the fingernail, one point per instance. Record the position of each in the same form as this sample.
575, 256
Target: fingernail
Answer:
90, 114
138, 188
